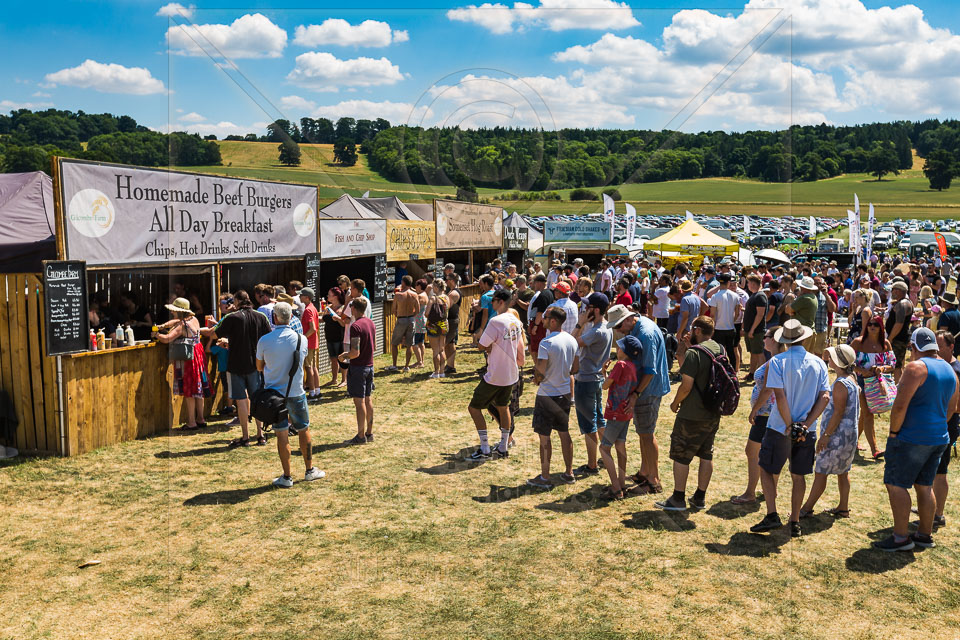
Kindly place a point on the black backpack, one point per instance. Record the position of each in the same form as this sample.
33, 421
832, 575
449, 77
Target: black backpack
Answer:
723, 389
267, 405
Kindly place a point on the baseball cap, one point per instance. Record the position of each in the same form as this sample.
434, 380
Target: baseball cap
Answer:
724, 277
924, 339
562, 287
631, 346
508, 282
598, 300
900, 286
307, 291
449, 265
710, 269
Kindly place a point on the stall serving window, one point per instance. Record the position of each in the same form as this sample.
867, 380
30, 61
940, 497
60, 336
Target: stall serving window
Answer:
247, 275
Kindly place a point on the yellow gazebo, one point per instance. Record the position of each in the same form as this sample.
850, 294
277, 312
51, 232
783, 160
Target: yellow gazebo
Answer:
691, 238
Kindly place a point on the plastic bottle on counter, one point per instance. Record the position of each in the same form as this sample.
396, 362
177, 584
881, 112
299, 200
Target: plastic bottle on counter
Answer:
101, 340
93, 340
119, 341
129, 338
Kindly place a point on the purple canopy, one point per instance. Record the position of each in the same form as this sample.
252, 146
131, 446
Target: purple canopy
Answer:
26, 222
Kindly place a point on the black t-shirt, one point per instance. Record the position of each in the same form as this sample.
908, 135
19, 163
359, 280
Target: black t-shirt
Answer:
775, 300
524, 296
756, 304
544, 300
243, 329
332, 330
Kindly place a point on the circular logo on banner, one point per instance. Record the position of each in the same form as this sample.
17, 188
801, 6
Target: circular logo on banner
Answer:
441, 224
91, 213
303, 219
498, 225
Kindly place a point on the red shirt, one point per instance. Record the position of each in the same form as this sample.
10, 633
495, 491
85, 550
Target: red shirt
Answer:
624, 298
363, 329
311, 318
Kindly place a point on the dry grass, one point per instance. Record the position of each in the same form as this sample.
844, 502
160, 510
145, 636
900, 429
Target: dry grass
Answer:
403, 540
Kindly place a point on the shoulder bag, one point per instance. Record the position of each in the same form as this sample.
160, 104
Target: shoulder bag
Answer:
181, 349
268, 405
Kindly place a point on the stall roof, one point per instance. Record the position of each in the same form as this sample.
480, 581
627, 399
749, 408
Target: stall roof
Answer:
26, 222
690, 237
348, 207
423, 210
390, 208
535, 238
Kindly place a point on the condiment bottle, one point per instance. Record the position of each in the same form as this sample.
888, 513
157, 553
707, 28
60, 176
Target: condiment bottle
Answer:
101, 340
119, 337
93, 340
130, 338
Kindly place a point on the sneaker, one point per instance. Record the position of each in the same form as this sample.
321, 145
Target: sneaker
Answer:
567, 478
697, 503
434, 375
795, 530
284, 482
406, 369
540, 482
449, 369
921, 540
670, 505
233, 423
939, 521
890, 544
391, 367
314, 474
495, 451
441, 375
479, 455
770, 522
584, 470
369, 437
357, 440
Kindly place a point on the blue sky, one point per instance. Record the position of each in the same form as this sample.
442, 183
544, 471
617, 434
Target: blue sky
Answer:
550, 63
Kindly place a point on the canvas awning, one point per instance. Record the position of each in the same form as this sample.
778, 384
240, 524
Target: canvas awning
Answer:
389, 208
27, 225
692, 238
347, 207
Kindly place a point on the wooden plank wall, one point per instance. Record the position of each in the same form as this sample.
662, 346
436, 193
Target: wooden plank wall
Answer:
120, 395
26, 375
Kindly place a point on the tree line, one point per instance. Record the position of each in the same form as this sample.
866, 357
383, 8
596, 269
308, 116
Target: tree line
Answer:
28, 139
536, 160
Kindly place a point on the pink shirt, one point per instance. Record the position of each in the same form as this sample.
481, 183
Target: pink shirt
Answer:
505, 333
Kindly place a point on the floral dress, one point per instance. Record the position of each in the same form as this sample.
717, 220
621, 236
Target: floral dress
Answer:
870, 360
190, 376
837, 458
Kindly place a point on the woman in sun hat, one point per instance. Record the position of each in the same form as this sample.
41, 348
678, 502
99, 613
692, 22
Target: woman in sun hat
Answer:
837, 443
189, 376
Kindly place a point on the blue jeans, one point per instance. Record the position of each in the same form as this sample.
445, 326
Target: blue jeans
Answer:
297, 413
588, 397
908, 464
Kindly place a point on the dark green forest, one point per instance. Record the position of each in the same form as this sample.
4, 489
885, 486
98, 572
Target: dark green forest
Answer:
536, 160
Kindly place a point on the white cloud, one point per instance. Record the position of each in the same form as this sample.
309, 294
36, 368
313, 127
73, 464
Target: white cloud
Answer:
11, 105
192, 117
249, 36
338, 32
323, 71
41, 94
108, 78
555, 15
394, 112
175, 9
220, 129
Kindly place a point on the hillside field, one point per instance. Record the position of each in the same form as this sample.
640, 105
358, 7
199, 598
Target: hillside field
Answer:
906, 195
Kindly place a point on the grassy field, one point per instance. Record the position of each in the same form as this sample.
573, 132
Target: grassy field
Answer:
404, 539
907, 195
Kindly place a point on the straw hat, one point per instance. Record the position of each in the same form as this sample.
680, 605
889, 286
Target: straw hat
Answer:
686, 286
806, 282
949, 298
617, 314
180, 305
842, 355
286, 297
792, 332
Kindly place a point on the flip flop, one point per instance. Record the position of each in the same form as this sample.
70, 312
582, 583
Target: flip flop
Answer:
742, 500
839, 513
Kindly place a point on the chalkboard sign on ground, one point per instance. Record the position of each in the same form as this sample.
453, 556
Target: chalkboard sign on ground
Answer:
65, 306
312, 264
379, 277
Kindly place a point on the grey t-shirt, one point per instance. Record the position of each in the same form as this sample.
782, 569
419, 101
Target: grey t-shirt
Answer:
558, 349
597, 342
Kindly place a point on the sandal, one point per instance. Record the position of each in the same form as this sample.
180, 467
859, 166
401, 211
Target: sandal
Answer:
610, 494
802, 515
839, 513
878, 455
639, 490
239, 442
742, 500
186, 427
262, 441
641, 480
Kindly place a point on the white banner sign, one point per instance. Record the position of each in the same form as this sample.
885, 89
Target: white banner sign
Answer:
870, 222
813, 227
609, 213
631, 223
116, 214
746, 226
689, 216
352, 238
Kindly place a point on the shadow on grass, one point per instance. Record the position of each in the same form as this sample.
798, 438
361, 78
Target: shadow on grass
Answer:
505, 494
227, 496
587, 500
659, 520
874, 561
333, 446
762, 545
453, 463
726, 510
190, 453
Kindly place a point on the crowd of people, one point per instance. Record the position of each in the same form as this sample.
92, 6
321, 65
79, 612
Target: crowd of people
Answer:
603, 341
782, 325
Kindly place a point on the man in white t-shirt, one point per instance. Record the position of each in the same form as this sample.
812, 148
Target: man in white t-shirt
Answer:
661, 305
502, 340
561, 299
726, 305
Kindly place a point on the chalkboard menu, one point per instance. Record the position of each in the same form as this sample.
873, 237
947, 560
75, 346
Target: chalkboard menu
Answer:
379, 277
65, 306
392, 280
312, 264
438, 269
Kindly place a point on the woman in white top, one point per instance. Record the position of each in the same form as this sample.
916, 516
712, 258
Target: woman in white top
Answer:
661, 304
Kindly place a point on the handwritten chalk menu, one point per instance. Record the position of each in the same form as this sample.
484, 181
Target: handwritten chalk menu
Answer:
392, 283
379, 277
65, 306
312, 264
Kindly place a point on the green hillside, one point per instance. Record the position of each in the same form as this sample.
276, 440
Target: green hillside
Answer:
904, 195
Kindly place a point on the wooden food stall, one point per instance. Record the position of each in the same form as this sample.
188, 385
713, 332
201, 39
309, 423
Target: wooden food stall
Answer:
468, 235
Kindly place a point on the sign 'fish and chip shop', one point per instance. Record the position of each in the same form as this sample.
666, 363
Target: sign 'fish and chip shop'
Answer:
352, 238
576, 231
114, 214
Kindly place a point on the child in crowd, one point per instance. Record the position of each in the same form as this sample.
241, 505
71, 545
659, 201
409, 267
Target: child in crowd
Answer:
620, 383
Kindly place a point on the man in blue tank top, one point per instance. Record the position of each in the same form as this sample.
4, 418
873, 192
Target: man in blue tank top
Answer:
926, 398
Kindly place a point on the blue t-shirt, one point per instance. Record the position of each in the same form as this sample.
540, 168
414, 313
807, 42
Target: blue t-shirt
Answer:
276, 350
221, 355
486, 302
925, 422
691, 304
803, 377
653, 359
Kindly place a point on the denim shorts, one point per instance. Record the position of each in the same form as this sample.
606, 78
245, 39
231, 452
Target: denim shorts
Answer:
588, 399
359, 382
418, 338
297, 414
909, 464
615, 431
243, 384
